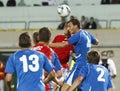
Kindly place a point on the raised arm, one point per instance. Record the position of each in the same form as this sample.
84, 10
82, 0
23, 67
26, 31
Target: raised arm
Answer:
59, 44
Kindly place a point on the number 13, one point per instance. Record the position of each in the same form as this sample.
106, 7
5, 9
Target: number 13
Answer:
34, 66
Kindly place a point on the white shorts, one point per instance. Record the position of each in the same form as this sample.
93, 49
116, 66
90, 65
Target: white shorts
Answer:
65, 73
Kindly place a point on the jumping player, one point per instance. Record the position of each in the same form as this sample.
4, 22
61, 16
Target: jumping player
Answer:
82, 41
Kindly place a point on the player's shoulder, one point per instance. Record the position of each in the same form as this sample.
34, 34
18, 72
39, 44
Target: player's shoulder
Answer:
37, 52
84, 31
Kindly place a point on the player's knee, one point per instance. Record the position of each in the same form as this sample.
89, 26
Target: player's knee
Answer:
65, 87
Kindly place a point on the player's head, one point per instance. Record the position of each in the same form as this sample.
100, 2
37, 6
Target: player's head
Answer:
24, 40
104, 55
44, 34
73, 25
35, 37
72, 17
67, 33
93, 57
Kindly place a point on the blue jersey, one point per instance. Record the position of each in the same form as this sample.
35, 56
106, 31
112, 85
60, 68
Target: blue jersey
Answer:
53, 58
56, 62
82, 44
96, 78
28, 64
51, 55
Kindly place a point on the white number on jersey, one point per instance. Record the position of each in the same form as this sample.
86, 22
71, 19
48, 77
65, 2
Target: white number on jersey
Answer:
32, 67
100, 77
88, 41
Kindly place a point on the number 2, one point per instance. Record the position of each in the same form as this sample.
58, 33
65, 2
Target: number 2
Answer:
100, 77
32, 67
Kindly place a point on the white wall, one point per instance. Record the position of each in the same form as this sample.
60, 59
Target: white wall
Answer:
106, 37
49, 13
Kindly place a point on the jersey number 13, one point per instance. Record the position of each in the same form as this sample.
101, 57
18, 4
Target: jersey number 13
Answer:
32, 67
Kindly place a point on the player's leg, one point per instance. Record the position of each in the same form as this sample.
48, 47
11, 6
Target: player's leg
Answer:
55, 86
65, 87
65, 72
1, 85
68, 81
79, 89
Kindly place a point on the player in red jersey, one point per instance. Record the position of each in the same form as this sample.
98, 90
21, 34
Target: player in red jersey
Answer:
44, 35
1, 76
65, 53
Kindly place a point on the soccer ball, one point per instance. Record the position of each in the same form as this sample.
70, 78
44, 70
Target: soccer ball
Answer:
64, 10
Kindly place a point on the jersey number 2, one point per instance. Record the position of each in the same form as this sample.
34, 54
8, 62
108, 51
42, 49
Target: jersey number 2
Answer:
100, 77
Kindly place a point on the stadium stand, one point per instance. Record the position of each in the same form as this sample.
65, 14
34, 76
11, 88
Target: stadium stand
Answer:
36, 15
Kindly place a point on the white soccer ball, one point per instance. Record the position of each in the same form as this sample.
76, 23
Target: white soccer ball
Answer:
64, 10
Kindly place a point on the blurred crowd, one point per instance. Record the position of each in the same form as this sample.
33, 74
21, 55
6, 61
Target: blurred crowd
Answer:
47, 2
85, 22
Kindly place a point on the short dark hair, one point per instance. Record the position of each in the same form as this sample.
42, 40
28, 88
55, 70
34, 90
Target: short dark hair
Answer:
75, 22
11, 3
1, 4
35, 37
44, 34
93, 57
24, 40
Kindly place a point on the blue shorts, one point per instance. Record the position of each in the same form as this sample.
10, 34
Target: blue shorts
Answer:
75, 70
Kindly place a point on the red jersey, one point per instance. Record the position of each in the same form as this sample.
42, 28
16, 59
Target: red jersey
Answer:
49, 53
1, 71
44, 49
63, 53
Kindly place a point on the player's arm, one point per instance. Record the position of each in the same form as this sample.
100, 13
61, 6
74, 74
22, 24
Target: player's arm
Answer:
58, 82
58, 67
49, 77
76, 83
94, 40
8, 81
59, 73
97, 42
110, 85
59, 44
110, 89
52, 76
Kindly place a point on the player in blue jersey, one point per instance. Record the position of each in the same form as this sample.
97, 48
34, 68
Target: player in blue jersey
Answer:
94, 77
82, 41
28, 65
